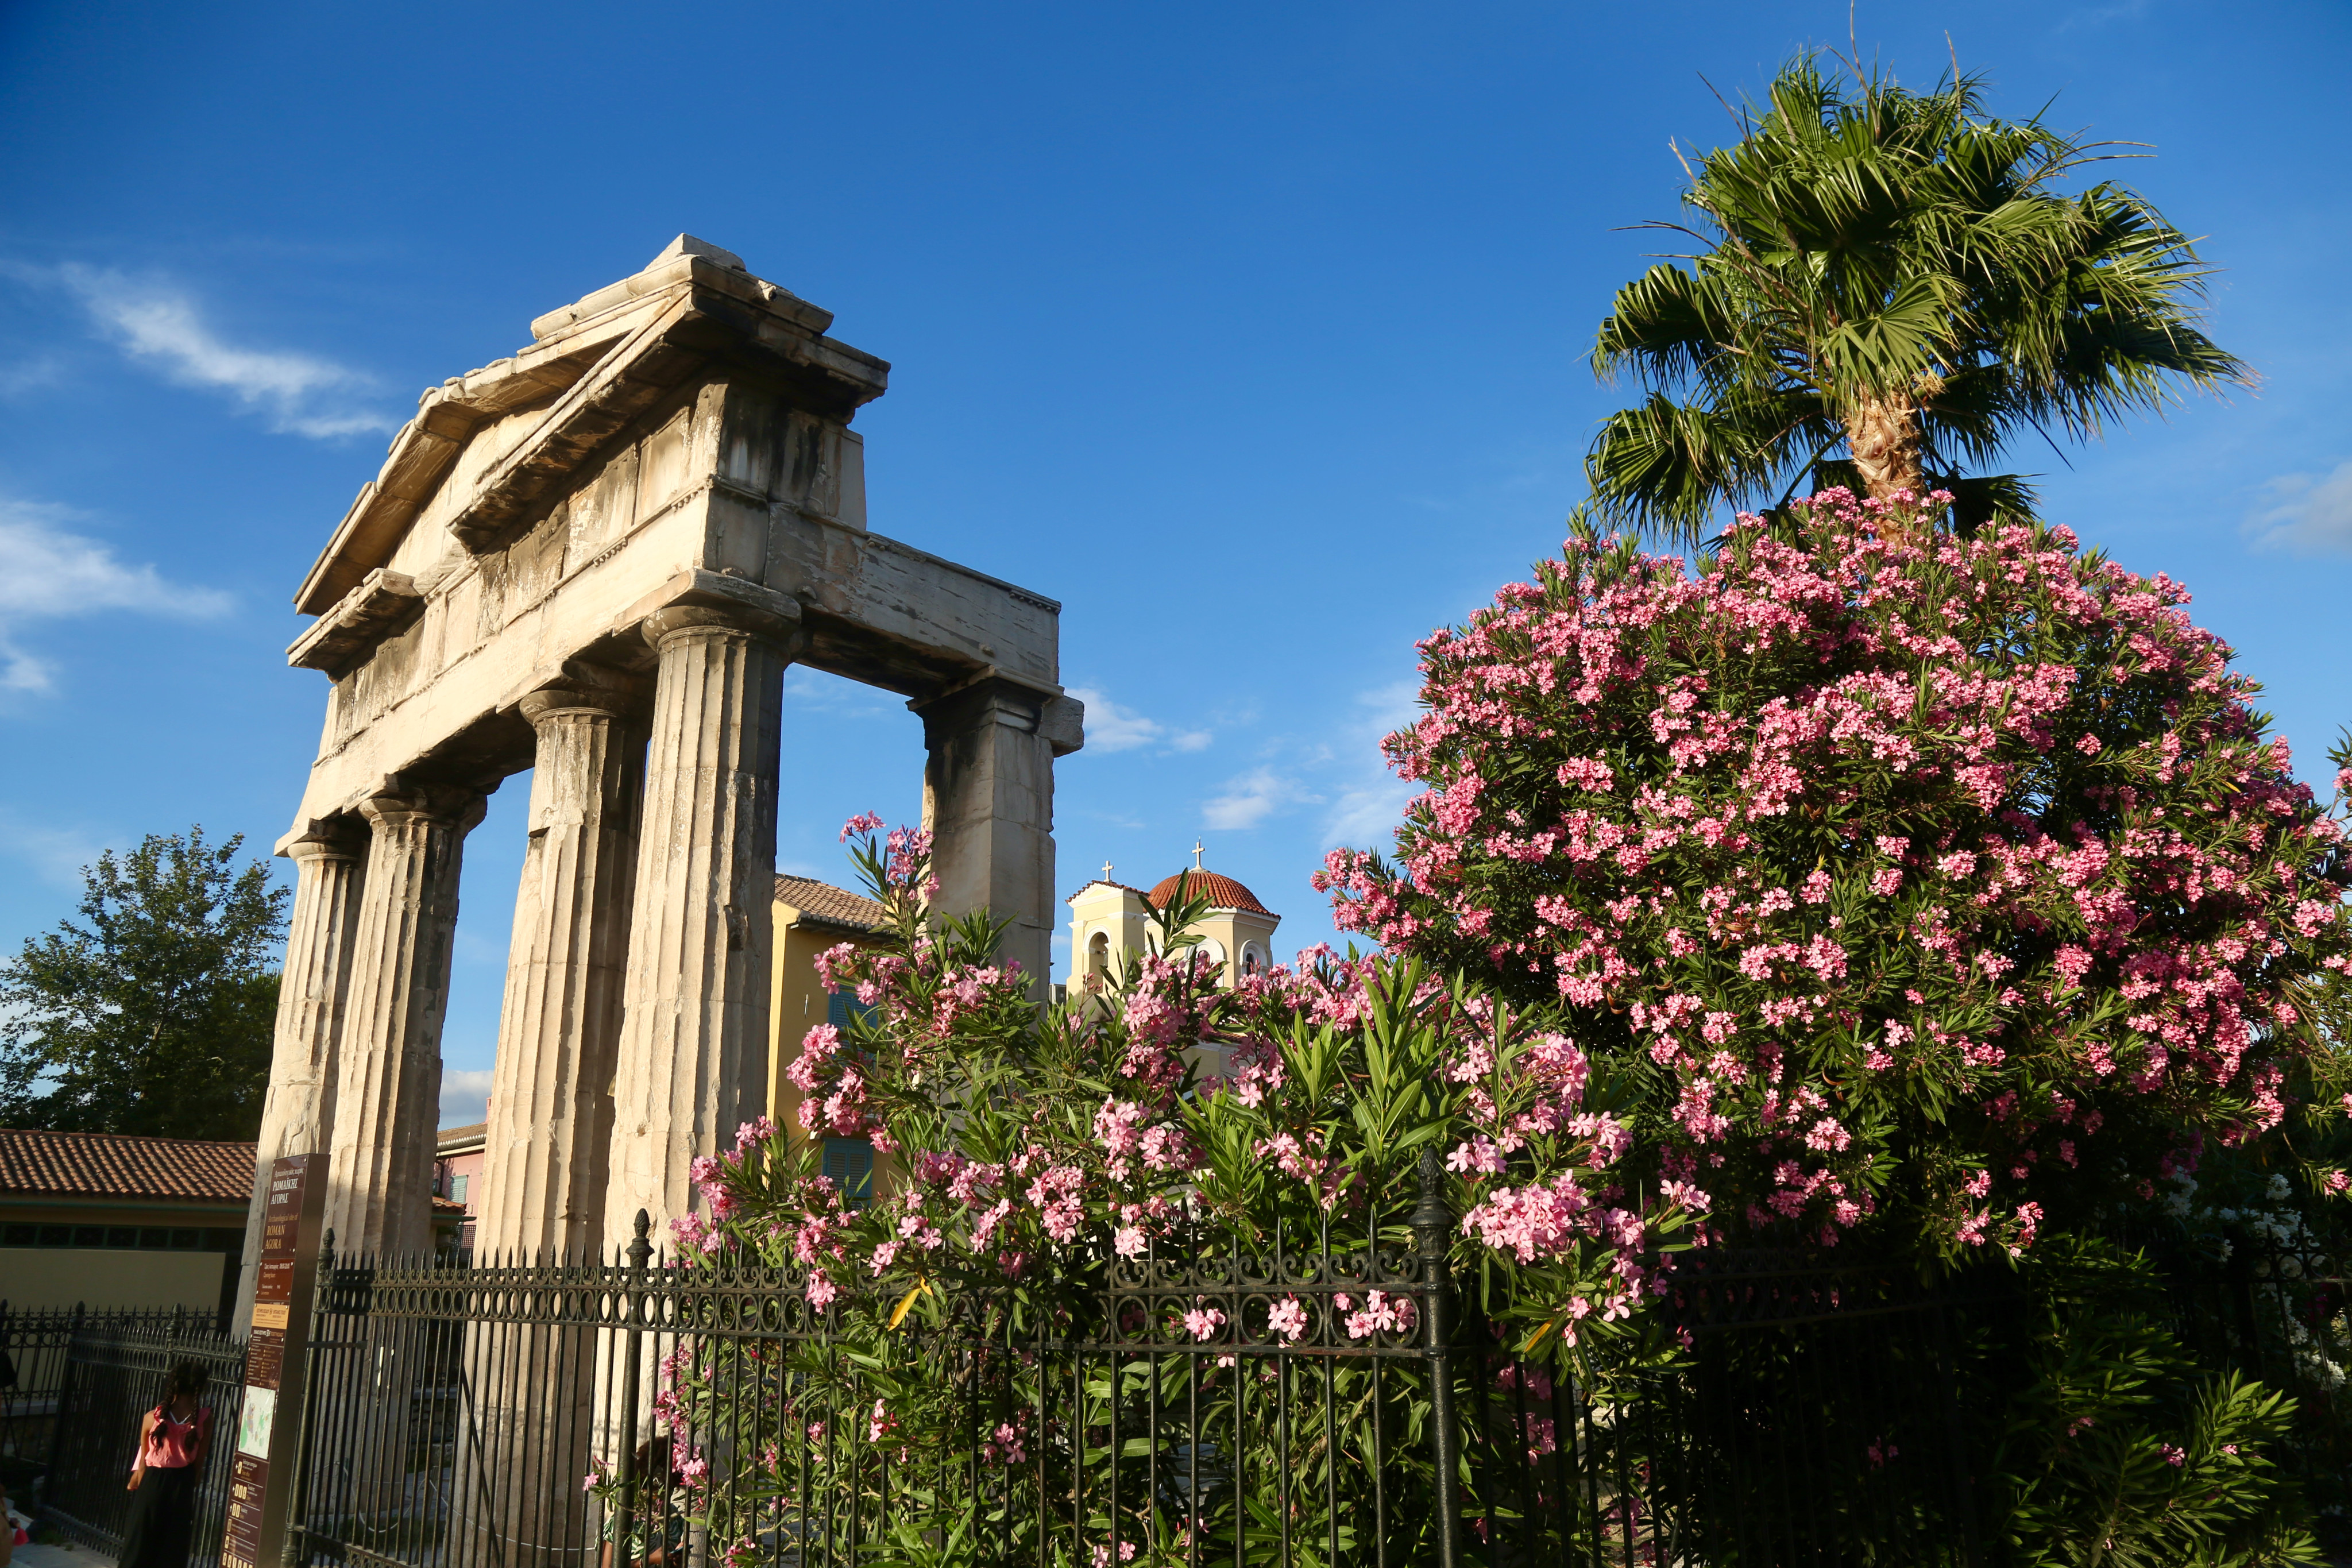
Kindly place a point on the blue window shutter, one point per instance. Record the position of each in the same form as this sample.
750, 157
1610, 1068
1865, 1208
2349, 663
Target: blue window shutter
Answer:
849, 1165
836, 1010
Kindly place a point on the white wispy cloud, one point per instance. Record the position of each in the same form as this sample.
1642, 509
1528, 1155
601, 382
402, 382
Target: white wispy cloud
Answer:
1111, 728
1366, 817
49, 573
2310, 515
57, 854
161, 324
1254, 797
30, 375
1372, 802
822, 691
465, 1096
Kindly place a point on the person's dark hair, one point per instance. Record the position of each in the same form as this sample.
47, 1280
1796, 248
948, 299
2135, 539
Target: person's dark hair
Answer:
653, 1458
187, 1377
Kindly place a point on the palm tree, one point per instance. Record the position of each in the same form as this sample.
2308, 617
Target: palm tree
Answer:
1889, 287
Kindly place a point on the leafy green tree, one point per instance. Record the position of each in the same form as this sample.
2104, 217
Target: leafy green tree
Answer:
153, 1014
1889, 287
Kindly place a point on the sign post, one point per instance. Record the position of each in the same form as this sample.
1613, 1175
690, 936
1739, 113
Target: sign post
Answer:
265, 1466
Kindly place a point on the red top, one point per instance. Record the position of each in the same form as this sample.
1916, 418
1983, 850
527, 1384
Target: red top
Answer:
171, 1446
1223, 892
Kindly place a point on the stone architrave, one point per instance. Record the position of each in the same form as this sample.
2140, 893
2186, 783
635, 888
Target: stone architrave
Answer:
693, 1058
670, 451
388, 1086
550, 1107
298, 1114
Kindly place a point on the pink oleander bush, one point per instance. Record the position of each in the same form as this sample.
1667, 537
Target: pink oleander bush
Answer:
1026, 1155
1029, 1143
1946, 889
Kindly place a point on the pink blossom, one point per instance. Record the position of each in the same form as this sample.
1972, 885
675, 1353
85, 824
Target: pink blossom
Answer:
1203, 1322
1381, 1313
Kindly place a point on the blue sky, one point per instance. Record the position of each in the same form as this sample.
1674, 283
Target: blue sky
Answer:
1253, 334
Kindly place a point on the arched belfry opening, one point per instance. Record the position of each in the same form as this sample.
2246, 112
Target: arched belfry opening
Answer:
1112, 923
595, 560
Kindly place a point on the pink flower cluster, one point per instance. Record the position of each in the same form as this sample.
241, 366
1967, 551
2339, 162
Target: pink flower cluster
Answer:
1964, 854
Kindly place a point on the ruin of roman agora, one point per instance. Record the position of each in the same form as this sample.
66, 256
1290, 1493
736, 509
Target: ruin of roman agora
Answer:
595, 560
1811, 970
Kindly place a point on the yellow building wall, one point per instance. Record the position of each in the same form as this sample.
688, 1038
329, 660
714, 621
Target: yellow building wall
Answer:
797, 1003
39, 1277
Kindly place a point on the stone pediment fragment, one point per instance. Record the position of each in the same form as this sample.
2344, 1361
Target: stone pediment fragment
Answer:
591, 367
350, 632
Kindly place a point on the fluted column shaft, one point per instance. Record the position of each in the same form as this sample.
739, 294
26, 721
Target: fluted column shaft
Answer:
694, 1042
388, 1089
551, 1112
297, 1113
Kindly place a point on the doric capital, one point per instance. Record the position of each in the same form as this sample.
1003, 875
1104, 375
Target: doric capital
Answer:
402, 802
718, 604
325, 838
585, 688
719, 620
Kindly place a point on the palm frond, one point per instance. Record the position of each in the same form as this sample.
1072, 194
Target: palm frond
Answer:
1862, 241
1664, 467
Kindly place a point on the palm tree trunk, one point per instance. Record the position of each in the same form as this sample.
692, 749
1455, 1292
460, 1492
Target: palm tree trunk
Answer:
1882, 434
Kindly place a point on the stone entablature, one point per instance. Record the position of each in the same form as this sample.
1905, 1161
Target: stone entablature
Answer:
596, 559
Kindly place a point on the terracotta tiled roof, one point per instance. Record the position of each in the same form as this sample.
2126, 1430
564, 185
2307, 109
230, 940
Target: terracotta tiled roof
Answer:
1223, 892
449, 1137
827, 905
118, 1165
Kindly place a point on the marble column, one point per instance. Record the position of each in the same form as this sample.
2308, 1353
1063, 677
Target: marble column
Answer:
988, 799
388, 1087
550, 1114
298, 1114
532, 1387
694, 1038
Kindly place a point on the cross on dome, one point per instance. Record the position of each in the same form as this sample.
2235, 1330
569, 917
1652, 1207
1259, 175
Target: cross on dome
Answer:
1197, 852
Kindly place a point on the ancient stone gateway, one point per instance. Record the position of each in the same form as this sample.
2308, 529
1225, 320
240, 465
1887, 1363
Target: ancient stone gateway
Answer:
595, 560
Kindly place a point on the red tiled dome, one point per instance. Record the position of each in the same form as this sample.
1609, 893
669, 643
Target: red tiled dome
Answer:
1223, 892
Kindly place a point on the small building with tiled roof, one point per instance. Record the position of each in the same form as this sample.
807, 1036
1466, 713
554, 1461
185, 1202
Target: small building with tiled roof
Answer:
805, 900
812, 917
457, 1159
1111, 923
109, 1219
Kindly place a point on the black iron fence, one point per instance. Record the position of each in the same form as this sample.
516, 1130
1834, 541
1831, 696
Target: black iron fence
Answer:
84, 1383
1340, 1401
1344, 1401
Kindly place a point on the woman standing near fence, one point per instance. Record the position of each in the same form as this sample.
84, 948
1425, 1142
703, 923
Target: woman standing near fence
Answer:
173, 1442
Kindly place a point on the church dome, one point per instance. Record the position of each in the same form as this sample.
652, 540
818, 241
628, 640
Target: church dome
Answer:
1223, 892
